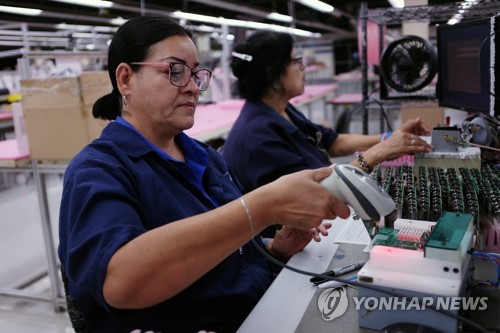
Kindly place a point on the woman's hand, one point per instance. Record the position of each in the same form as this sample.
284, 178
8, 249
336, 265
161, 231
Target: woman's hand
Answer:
402, 143
289, 241
296, 200
405, 141
415, 126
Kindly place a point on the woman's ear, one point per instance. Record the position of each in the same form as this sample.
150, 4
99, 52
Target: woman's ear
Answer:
271, 74
123, 76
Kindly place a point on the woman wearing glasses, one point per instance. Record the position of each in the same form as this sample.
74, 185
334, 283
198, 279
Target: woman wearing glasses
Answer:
271, 138
154, 233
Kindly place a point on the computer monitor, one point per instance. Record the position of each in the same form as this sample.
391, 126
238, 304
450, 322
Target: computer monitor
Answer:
466, 66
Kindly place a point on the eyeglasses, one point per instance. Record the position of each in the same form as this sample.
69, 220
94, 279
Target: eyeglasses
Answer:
179, 74
299, 62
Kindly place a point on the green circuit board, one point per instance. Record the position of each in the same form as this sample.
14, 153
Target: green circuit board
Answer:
389, 237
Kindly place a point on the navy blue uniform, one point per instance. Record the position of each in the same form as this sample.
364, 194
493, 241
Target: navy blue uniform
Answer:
263, 146
119, 187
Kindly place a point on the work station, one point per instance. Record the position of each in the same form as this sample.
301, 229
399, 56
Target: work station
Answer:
128, 157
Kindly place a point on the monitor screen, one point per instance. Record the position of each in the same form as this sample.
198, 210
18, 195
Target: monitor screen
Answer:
464, 66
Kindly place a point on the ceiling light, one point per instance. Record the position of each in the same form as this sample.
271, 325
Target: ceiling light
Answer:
73, 27
397, 3
244, 24
317, 5
85, 28
205, 28
196, 17
279, 17
117, 21
463, 8
20, 11
89, 3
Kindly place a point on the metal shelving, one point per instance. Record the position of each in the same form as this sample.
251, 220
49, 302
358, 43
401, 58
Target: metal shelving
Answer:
433, 14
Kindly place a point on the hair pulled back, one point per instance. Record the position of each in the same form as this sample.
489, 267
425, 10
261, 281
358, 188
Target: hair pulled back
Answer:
259, 62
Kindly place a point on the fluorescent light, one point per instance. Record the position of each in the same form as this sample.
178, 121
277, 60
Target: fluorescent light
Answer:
84, 28
73, 27
279, 17
463, 8
317, 5
196, 17
205, 28
89, 3
20, 11
118, 21
397, 3
244, 24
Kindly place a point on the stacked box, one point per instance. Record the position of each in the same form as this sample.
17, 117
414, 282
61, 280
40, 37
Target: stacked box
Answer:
430, 113
93, 85
58, 114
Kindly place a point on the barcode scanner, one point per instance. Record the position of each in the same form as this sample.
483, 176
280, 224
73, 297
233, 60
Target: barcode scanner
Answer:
360, 191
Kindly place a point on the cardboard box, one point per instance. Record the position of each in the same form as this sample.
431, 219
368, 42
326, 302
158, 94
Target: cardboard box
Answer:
93, 85
58, 114
57, 92
94, 126
430, 113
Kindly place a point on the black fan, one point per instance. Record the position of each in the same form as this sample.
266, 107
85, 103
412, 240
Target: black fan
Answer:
409, 64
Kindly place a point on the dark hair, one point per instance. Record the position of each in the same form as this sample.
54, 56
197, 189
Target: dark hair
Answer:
131, 43
270, 52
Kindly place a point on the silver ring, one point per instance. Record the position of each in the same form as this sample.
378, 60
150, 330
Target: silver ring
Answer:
413, 142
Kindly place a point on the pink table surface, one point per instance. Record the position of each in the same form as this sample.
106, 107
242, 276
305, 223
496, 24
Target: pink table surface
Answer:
9, 150
351, 98
312, 92
212, 120
5, 115
403, 160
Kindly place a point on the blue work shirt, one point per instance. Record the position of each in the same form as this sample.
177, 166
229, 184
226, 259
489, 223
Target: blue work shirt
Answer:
119, 187
263, 146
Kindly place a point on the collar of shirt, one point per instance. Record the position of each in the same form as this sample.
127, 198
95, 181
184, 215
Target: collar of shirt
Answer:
263, 107
298, 119
299, 123
196, 157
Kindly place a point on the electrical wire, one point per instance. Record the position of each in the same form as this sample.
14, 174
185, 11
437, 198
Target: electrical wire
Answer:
372, 287
481, 146
495, 259
381, 106
383, 112
479, 59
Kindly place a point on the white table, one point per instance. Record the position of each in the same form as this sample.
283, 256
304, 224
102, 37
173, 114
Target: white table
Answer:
283, 305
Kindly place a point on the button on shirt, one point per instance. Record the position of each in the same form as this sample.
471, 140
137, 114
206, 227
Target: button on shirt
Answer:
118, 188
263, 146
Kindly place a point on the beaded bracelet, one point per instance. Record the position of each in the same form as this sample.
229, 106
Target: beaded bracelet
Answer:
363, 164
385, 136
